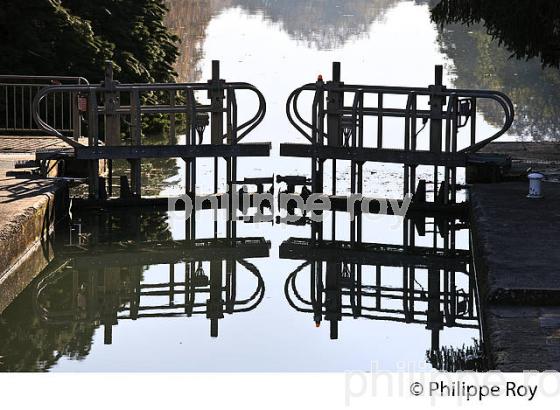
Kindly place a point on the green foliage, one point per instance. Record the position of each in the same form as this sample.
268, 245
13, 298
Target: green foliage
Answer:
527, 28
42, 38
76, 37
481, 61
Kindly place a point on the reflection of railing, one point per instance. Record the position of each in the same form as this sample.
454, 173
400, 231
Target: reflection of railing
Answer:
60, 108
198, 284
105, 296
341, 279
459, 306
107, 285
166, 252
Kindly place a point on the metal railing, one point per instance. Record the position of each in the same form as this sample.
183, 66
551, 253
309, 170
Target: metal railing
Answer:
109, 102
460, 106
337, 129
17, 93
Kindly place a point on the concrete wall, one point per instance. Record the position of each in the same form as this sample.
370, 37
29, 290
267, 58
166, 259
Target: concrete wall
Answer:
26, 236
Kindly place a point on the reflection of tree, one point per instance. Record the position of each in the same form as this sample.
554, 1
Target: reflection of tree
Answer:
155, 172
480, 62
467, 358
189, 20
26, 342
124, 225
529, 29
28, 345
321, 24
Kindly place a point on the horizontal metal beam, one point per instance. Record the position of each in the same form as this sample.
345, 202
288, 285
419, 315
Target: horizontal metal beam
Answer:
174, 151
159, 203
340, 203
374, 254
165, 252
374, 155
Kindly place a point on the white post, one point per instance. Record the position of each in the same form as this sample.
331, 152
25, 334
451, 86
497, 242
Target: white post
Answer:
535, 181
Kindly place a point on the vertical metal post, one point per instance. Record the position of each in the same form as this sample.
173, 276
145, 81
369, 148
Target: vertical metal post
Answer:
216, 96
434, 314
436, 110
413, 144
333, 298
112, 118
172, 118
215, 302
136, 133
437, 101
473, 121
335, 103
190, 165
378, 279
111, 282
112, 104
317, 165
171, 284
93, 141
229, 165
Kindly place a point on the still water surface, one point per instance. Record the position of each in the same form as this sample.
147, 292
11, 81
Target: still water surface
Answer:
67, 319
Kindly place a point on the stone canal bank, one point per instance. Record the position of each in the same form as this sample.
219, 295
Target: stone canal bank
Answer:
516, 246
29, 207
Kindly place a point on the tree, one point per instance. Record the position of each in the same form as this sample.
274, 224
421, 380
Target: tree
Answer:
76, 37
528, 28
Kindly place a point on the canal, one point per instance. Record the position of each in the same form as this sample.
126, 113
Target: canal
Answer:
118, 298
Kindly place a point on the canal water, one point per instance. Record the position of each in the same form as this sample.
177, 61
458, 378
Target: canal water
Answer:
116, 297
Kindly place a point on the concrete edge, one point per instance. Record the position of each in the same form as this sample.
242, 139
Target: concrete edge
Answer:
25, 242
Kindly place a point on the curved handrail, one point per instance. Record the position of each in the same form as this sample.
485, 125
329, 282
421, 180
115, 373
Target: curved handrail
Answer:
257, 296
43, 124
300, 124
290, 283
381, 315
243, 129
44, 314
252, 123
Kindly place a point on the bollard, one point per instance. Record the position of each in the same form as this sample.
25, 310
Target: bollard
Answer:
535, 180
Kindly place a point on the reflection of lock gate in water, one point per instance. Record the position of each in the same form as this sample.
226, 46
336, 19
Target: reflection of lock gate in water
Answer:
338, 287
107, 285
